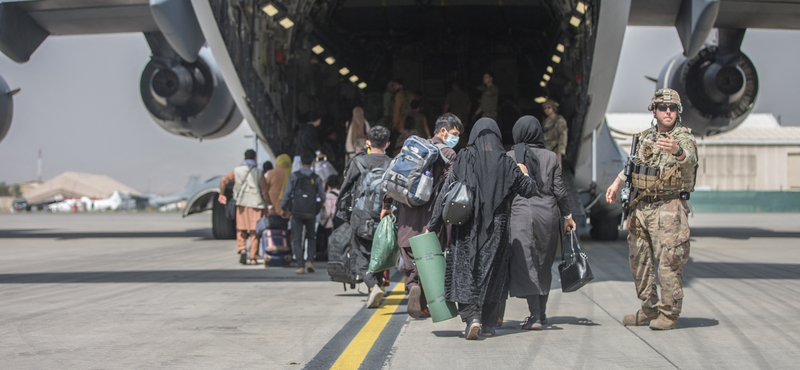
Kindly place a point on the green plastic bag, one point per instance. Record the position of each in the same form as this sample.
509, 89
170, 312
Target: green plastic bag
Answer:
385, 251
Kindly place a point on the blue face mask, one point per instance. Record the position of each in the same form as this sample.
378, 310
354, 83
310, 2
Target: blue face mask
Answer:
451, 141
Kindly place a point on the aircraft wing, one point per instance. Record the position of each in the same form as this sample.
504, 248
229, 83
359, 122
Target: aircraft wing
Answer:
59, 17
772, 14
37, 19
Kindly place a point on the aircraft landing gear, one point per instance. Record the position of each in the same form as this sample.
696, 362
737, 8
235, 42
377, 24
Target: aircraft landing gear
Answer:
221, 226
605, 228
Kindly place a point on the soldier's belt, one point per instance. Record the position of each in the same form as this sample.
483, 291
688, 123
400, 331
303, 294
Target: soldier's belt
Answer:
656, 198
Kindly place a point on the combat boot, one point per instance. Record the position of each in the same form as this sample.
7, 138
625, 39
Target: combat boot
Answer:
664, 322
640, 318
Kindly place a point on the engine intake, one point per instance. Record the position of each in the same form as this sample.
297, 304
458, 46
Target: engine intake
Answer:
717, 91
189, 98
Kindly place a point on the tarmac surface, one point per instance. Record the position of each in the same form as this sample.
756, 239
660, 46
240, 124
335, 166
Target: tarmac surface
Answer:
135, 291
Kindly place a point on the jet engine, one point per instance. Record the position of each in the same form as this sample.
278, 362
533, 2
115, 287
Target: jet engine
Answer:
6, 107
718, 88
189, 98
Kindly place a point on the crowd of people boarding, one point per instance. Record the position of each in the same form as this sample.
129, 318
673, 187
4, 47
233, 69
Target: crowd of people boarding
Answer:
289, 210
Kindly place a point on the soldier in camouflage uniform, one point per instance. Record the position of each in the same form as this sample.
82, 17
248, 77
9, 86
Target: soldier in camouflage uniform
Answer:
555, 129
658, 225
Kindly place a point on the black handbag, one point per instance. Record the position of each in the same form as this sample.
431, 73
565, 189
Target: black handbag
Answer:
575, 271
457, 204
230, 208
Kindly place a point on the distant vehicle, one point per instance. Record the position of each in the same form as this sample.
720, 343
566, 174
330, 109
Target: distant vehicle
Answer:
19, 204
69, 205
112, 203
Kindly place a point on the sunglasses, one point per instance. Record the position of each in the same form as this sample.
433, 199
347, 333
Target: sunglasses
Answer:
664, 107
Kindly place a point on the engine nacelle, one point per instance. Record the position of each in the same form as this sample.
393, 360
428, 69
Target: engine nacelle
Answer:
716, 94
6, 107
189, 99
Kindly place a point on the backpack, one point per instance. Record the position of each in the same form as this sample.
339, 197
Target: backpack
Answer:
305, 197
344, 203
342, 257
368, 200
409, 179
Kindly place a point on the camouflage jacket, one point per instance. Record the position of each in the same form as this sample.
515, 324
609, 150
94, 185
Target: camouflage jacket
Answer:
649, 153
555, 134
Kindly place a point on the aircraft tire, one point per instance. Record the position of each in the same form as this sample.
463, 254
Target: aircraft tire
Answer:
221, 226
605, 229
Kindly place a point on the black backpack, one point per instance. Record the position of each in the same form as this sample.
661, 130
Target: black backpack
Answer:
342, 266
368, 200
305, 197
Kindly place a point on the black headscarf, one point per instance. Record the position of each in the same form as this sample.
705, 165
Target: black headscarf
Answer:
526, 131
488, 171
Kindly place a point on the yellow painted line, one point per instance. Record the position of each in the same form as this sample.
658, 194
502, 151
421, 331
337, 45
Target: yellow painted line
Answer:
357, 350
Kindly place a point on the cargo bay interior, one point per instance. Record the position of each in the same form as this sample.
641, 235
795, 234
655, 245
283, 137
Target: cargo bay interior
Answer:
333, 55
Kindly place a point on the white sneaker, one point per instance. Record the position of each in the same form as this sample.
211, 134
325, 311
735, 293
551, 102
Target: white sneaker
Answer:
375, 296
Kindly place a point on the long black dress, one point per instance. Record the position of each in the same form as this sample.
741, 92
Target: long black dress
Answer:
479, 250
535, 229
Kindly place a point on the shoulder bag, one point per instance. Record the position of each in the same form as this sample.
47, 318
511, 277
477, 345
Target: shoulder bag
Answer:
457, 204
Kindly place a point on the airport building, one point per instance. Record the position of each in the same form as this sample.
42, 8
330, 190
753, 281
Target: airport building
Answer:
759, 155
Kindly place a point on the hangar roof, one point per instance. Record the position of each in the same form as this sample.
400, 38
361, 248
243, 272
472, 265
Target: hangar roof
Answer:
76, 185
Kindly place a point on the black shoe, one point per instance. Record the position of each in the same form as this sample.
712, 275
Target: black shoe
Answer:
472, 330
531, 323
243, 258
487, 331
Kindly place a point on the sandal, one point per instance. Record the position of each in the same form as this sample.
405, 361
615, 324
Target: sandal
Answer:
472, 330
252, 261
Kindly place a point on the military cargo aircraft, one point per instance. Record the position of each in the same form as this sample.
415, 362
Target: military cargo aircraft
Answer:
215, 62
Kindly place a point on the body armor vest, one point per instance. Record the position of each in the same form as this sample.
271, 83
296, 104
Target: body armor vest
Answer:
652, 164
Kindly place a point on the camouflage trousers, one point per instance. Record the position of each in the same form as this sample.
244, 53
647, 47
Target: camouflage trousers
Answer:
659, 237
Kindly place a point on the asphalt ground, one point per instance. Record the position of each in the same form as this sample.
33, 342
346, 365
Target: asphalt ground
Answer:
138, 291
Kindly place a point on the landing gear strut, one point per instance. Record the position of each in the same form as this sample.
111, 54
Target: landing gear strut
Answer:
605, 228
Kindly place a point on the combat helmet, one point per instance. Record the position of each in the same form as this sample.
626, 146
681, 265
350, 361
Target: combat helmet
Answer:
668, 96
551, 103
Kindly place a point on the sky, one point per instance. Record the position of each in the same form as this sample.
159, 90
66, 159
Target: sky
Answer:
80, 103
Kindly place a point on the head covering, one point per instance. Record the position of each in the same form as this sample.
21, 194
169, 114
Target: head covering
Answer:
666, 96
488, 172
528, 131
285, 162
357, 125
551, 103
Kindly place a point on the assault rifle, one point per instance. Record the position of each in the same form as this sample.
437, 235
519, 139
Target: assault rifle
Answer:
628, 192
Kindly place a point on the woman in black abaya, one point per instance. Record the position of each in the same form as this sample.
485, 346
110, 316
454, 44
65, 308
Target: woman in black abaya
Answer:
535, 222
479, 251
